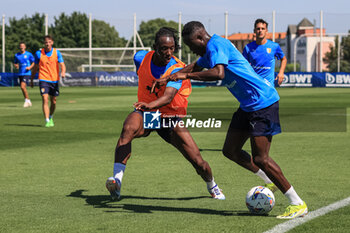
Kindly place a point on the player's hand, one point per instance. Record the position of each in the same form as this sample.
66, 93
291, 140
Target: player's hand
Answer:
31, 83
280, 77
63, 74
141, 106
158, 83
28, 68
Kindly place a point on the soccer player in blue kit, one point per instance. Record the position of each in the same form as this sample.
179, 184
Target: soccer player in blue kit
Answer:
261, 54
257, 117
24, 62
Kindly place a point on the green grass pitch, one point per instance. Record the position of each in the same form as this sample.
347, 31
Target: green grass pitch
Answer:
53, 180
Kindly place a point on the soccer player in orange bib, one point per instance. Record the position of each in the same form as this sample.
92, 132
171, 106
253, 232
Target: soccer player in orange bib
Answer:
47, 61
168, 102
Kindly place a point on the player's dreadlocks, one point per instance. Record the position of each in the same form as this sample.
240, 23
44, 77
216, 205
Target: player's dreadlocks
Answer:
166, 31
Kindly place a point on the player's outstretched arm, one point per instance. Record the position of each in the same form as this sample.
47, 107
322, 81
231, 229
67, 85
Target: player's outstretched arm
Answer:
180, 75
165, 99
213, 74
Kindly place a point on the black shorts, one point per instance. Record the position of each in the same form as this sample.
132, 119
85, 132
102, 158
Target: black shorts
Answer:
24, 78
165, 130
264, 122
49, 88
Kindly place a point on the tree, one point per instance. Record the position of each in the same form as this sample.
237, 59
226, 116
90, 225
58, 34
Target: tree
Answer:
331, 58
148, 30
27, 29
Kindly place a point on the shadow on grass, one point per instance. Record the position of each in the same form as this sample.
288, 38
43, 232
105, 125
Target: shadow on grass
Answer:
28, 125
104, 201
200, 149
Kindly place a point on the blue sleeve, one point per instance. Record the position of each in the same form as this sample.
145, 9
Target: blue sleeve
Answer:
217, 54
177, 85
246, 52
59, 57
15, 60
37, 57
279, 53
138, 58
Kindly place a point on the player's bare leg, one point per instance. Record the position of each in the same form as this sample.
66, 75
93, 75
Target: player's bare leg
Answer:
24, 90
46, 108
27, 102
260, 152
233, 149
53, 100
183, 141
132, 128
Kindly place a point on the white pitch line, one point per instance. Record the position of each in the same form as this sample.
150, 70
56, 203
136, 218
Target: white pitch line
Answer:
286, 226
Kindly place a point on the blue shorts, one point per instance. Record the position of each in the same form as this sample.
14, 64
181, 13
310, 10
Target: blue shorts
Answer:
264, 122
165, 133
49, 88
24, 78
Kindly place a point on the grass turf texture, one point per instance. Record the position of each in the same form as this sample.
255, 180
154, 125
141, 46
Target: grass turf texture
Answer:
53, 179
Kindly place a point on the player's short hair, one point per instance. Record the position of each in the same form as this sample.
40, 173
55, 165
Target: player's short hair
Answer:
167, 31
48, 37
260, 21
21, 43
191, 27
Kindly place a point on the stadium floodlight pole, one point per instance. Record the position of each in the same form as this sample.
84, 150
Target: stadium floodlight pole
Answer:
90, 43
338, 59
3, 43
321, 35
273, 25
46, 24
180, 38
135, 31
226, 24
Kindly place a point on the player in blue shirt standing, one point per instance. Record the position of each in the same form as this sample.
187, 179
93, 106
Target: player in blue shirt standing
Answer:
257, 117
24, 62
261, 54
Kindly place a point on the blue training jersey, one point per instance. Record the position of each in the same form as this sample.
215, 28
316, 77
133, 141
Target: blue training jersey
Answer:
24, 60
252, 91
38, 55
262, 58
157, 71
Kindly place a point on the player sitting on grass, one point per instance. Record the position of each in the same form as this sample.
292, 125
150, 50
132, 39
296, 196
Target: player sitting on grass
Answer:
257, 117
170, 100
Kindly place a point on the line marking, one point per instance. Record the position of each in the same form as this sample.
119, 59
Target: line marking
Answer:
288, 225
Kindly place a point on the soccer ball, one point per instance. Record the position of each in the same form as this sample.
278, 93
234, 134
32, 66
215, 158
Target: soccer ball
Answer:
260, 200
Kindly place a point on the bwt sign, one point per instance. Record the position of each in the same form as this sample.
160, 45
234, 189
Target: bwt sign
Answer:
297, 80
337, 80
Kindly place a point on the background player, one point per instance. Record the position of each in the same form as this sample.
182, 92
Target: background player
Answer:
171, 100
47, 61
261, 54
24, 62
257, 117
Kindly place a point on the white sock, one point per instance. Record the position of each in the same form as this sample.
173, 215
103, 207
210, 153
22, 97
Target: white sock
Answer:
211, 184
293, 197
27, 100
263, 176
47, 119
118, 171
